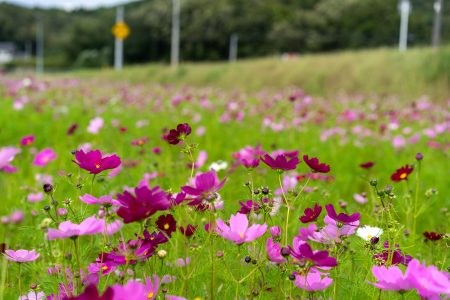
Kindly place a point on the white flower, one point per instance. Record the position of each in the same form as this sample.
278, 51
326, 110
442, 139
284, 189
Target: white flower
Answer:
368, 232
218, 165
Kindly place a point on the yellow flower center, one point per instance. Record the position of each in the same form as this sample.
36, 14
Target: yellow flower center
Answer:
241, 235
166, 226
403, 175
369, 236
104, 268
97, 166
141, 142
150, 295
197, 298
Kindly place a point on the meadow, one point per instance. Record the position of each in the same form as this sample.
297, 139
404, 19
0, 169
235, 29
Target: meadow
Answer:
223, 158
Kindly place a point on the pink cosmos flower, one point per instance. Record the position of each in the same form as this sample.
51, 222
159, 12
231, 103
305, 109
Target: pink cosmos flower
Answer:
21, 256
135, 290
274, 252
7, 155
391, 279
360, 198
32, 295
27, 140
313, 281
206, 186
238, 231
42, 158
95, 162
68, 229
35, 197
89, 199
429, 282
95, 125
249, 156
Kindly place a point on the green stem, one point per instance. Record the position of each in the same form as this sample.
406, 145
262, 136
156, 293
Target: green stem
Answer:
416, 200
20, 276
288, 211
211, 248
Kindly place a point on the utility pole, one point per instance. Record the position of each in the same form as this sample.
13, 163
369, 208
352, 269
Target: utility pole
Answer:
118, 42
405, 9
437, 23
175, 43
233, 47
39, 46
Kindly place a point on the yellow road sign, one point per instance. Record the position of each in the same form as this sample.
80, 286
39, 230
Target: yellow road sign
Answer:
121, 30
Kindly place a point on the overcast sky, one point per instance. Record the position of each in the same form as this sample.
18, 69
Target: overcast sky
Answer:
67, 4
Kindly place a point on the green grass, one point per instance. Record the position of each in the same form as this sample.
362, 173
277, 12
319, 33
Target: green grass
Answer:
51, 112
409, 75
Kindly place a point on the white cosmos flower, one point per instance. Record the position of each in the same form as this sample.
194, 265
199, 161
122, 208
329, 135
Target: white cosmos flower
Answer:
218, 165
368, 232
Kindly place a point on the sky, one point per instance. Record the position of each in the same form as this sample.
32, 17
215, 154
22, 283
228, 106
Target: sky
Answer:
67, 4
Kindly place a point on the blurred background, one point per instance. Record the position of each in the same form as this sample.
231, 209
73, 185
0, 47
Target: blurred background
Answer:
78, 34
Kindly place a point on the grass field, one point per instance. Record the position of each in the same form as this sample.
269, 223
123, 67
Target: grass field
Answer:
417, 72
379, 117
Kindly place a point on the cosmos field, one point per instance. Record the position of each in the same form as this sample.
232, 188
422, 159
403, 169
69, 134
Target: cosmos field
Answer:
130, 191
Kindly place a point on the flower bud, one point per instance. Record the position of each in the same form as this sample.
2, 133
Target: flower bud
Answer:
291, 277
248, 259
275, 231
373, 182
219, 254
162, 253
265, 191
374, 240
285, 251
419, 156
48, 188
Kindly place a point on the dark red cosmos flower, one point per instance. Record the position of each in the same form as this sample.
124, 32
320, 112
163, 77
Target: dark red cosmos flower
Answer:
143, 204
177, 135
94, 162
311, 215
72, 129
341, 218
433, 236
167, 224
189, 230
367, 165
402, 173
281, 163
315, 165
248, 206
91, 293
396, 256
318, 258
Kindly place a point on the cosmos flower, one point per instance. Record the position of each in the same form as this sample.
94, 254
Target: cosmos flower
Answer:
179, 134
311, 214
281, 162
89, 199
239, 232
35, 197
368, 232
395, 254
95, 125
21, 256
42, 158
7, 155
91, 293
189, 230
367, 165
144, 203
27, 140
68, 229
433, 236
206, 186
167, 224
313, 281
248, 206
140, 142
315, 165
95, 162
303, 251
342, 217
402, 173
135, 290
273, 251
390, 278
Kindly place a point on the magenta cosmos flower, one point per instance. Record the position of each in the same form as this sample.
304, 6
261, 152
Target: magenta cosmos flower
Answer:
68, 229
281, 162
105, 200
144, 203
341, 218
94, 162
91, 293
21, 256
273, 251
311, 214
313, 281
204, 191
27, 140
179, 134
316, 165
391, 279
238, 231
42, 158
303, 252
